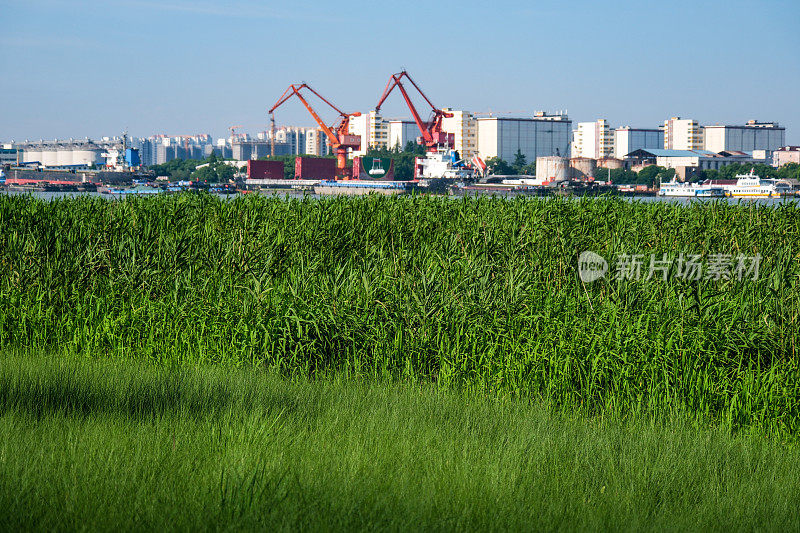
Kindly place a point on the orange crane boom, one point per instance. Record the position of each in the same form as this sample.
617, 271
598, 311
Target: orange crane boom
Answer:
338, 135
432, 134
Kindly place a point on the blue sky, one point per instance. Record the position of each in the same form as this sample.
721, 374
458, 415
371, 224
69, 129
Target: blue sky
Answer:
75, 68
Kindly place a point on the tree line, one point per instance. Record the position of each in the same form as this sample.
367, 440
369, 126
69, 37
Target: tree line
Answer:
217, 171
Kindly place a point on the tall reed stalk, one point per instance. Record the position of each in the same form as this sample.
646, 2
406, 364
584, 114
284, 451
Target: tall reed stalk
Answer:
482, 293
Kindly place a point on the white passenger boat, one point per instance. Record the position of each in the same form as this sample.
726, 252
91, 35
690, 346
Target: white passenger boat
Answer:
690, 190
678, 188
752, 186
709, 191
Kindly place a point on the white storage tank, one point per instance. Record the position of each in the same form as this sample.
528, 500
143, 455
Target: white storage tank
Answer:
87, 155
583, 167
32, 154
551, 169
49, 157
64, 156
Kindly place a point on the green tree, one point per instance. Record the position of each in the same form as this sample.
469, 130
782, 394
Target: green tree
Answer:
497, 165
648, 175
519, 162
789, 171
224, 173
709, 174
414, 148
205, 174
619, 176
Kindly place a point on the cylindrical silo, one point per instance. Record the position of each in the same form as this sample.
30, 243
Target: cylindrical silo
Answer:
82, 155
32, 154
583, 167
610, 162
49, 156
551, 169
64, 156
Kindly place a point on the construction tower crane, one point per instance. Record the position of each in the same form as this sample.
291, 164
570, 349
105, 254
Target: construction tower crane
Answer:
233, 132
432, 135
338, 136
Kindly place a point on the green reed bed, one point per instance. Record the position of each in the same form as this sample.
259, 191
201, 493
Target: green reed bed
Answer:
476, 293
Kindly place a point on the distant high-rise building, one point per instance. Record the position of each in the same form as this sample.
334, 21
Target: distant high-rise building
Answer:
627, 140
317, 142
682, 134
147, 152
9, 155
294, 137
751, 136
159, 149
245, 150
164, 153
594, 140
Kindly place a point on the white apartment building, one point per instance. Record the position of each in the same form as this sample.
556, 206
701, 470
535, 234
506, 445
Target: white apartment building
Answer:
316, 142
627, 140
374, 132
542, 135
464, 127
594, 140
751, 136
682, 134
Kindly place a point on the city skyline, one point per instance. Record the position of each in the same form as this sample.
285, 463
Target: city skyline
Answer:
90, 69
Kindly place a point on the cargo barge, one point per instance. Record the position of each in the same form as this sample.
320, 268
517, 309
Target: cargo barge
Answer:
363, 187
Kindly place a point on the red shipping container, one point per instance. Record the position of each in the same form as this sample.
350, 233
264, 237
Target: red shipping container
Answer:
264, 170
314, 168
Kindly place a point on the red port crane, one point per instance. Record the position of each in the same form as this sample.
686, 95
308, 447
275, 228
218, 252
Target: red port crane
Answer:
338, 136
432, 134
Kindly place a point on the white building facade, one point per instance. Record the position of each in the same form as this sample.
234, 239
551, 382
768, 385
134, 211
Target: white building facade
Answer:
464, 127
542, 135
317, 142
751, 136
401, 132
293, 137
682, 134
593, 139
786, 154
374, 132
628, 139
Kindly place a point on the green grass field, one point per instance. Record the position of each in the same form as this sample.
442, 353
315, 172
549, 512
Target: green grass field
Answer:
393, 363
110, 445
